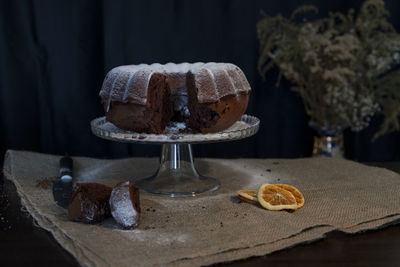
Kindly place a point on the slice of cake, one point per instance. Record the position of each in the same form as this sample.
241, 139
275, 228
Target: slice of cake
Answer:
125, 205
89, 202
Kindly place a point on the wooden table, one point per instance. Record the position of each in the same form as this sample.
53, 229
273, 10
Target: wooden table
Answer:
24, 244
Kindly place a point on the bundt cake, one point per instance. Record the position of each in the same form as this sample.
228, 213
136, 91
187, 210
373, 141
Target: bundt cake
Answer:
204, 97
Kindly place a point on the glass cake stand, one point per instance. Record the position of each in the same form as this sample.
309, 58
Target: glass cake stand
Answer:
176, 175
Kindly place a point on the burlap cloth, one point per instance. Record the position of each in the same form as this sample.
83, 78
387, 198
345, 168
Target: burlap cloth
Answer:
214, 227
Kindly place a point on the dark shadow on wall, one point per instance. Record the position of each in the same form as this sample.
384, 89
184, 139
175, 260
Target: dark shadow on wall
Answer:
54, 55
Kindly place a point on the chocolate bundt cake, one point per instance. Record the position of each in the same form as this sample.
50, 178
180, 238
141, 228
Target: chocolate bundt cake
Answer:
204, 97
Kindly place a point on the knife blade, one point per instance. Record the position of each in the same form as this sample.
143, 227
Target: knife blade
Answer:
62, 188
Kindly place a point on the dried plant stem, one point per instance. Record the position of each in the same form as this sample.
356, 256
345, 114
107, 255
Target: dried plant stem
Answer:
343, 66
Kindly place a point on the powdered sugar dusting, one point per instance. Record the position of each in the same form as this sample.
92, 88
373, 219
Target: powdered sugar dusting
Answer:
133, 88
237, 126
150, 236
108, 126
175, 127
167, 239
121, 206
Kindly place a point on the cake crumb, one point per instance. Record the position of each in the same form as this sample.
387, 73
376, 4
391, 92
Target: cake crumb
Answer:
175, 127
45, 183
174, 137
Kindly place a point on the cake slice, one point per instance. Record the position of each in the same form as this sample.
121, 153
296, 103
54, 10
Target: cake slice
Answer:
218, 96
150, 116
125, 205
89, 203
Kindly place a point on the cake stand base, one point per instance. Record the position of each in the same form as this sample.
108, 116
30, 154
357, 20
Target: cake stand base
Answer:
177, 175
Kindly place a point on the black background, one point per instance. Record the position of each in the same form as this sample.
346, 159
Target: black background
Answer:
55, 54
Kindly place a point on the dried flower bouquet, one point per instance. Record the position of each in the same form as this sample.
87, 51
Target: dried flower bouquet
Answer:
345, 66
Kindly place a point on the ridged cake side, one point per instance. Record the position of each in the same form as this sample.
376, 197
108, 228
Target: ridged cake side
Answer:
217, 80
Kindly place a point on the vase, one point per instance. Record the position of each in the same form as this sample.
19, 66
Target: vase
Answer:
329, 146
328, 141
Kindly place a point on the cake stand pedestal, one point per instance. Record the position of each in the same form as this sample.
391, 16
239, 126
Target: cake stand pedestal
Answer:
176, 175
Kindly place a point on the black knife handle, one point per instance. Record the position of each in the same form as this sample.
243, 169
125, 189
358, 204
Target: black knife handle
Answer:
66, 164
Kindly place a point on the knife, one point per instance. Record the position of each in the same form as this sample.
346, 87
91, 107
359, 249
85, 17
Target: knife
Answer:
62, 188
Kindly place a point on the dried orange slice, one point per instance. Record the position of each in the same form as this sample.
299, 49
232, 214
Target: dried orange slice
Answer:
248, 195
273, 197
295, 192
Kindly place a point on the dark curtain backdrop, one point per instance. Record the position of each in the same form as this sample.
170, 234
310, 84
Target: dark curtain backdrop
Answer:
55, 54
